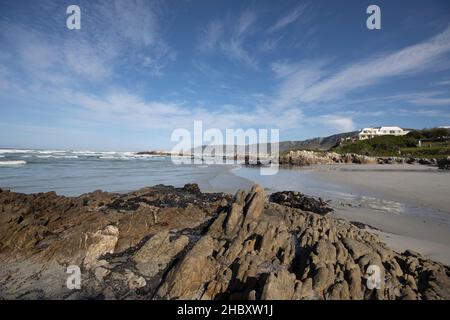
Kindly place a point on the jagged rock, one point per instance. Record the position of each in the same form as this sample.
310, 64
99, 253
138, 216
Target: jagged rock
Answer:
338, 291
356, 248
188, 279
254, 204
280, 285
234, 218
101, 272
158, 252
326, 251
102, 242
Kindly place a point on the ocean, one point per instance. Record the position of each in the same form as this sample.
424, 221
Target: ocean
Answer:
72, 173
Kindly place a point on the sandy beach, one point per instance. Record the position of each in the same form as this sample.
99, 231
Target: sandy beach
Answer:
412, 183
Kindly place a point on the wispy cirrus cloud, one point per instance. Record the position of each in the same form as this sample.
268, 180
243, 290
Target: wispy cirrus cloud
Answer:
211, 36
288, 19
121, 107
441, 83
436, 98
229, 36
113, 33
317, 82
433, 113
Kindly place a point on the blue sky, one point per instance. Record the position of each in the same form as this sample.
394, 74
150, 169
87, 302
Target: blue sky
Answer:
139, 69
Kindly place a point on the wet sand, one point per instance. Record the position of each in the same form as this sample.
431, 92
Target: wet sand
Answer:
414, 183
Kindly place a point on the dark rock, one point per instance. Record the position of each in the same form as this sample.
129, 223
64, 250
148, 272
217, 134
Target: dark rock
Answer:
192, 188
300, 201
362, 225
444, 163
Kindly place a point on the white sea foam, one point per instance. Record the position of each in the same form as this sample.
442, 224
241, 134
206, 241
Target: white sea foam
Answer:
3, 151
50, 151
56, 156
75, 154
116, 158
12, 163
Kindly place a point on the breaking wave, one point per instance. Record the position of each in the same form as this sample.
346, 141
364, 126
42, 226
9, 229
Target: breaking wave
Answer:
12, 163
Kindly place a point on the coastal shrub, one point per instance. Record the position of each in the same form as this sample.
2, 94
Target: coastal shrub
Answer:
433, 133
378, 146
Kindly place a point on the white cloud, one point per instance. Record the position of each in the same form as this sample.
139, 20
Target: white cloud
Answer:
211, 36
135, 20
441, 83
270, 44
229, 37
433, 113
120, 107
86, 60
296, 80
288, 19
113, 33
429, 99
335, 122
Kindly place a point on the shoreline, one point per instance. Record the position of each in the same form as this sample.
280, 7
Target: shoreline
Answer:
357, 193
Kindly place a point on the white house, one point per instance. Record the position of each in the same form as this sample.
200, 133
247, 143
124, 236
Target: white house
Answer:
368, 133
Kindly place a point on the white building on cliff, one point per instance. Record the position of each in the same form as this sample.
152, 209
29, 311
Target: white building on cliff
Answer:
368, 133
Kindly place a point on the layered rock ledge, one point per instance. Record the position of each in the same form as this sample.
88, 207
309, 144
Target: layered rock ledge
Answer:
305, 157
178, 243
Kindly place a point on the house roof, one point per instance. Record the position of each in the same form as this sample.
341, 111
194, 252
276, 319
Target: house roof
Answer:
391, 128
382, 128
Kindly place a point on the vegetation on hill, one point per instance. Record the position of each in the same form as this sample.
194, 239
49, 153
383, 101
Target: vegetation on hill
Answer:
435, 143
316, 144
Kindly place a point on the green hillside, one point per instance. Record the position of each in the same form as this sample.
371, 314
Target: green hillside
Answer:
434, 144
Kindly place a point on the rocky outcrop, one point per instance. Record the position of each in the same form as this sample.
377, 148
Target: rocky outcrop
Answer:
304, 157
409, 160
300, 201
444, 163
200, 246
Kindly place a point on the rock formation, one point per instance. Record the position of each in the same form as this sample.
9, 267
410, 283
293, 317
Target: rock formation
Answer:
444, 163
200, 246
305, 157
298, 200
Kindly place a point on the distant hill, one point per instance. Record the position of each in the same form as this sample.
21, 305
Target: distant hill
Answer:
315, 144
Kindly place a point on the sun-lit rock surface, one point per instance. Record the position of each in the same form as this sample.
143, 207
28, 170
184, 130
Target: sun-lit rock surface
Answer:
178, 243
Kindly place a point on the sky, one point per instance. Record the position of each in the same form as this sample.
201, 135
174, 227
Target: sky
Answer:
137, 70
